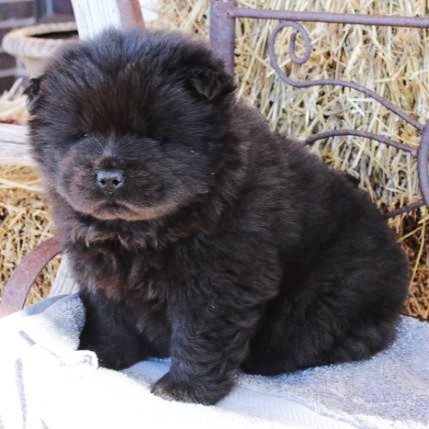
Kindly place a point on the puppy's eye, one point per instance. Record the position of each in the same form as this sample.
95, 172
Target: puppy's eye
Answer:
79, 136
158, 139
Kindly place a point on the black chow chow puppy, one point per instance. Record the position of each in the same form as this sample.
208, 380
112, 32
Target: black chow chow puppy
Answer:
194, 231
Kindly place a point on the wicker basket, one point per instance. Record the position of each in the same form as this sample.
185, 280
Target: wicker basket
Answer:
33, 45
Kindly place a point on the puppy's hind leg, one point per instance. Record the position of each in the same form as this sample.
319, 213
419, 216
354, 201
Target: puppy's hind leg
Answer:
303, 342
331, 322
360, 344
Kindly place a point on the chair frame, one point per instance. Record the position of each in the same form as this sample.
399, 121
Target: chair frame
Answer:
223, 16
222, 37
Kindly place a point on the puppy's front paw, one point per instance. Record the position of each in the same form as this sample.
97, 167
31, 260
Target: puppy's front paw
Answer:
170, 388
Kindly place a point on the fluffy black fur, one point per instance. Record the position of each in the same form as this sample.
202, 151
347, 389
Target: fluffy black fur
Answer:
225, 245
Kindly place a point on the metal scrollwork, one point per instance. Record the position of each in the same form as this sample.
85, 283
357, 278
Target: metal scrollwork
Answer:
422, 164
422, 153
331, 82
223, 16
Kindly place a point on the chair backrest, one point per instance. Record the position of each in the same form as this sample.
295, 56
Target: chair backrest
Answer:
222, 39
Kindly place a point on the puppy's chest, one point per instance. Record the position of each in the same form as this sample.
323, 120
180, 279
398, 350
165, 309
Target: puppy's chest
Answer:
130, 276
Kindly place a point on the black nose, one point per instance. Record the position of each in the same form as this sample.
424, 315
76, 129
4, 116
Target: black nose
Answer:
110, 180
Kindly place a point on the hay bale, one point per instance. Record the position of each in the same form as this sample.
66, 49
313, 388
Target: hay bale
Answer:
391, 61
24, 223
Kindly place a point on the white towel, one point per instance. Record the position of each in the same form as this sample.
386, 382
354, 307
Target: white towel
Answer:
46, 383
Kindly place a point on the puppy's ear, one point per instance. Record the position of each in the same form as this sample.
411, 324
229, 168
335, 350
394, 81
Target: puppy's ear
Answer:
211, 83
32, 91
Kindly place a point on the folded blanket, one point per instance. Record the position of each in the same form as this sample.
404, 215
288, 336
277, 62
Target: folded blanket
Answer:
46, 383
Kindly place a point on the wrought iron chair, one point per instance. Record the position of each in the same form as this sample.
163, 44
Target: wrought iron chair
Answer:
222, 38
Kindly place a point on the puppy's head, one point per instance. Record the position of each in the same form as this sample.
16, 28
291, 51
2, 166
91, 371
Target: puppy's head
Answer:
130, 125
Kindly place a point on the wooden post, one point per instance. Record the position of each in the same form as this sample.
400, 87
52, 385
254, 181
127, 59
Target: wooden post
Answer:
93, 16
14, 147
